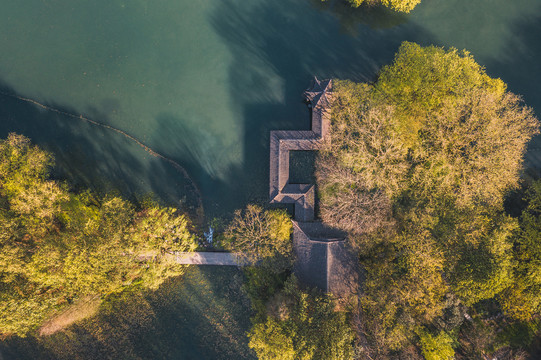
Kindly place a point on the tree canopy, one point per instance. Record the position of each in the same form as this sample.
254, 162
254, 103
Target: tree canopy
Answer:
261, 237
416, 170
57, 246
523, 298
301, 325
288, 322
397, 5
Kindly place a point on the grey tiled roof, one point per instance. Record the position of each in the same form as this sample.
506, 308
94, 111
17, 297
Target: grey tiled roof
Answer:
324, 263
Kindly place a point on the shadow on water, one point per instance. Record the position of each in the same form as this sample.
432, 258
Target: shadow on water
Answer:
278, 47
195, 141
200, 316
89, 156
521, 70
203, 315
376, 17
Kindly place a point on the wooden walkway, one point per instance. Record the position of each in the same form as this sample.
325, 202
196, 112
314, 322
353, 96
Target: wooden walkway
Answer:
208, 258
323, 259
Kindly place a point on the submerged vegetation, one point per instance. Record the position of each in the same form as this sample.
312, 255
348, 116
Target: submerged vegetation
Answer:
417, 170
58, 246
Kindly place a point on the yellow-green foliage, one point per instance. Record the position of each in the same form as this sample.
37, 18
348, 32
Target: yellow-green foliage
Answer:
271, 342
433, 122
438, 347
299, 325
261, 236
372, 146
522, 299
433, 146
423, 80
57, 246
483, 268
404, 287
397, 5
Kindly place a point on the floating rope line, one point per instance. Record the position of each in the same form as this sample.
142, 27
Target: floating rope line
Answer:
148, 149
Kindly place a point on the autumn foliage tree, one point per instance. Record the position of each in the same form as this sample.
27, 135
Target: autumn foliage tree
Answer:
421, 161
301, 325
57, 246
261, 237
397, 5
522, 299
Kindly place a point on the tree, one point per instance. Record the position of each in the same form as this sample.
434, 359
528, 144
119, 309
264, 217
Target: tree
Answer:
57, 246
301, 325
522, 299
261, 236
397, 5
436, 347
404, 287
428, 152
434, 123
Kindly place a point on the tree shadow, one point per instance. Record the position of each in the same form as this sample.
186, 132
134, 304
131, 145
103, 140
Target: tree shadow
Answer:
202, 315
89, 156
278, 47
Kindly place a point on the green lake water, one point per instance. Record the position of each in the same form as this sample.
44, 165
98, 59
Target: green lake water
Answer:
204, 81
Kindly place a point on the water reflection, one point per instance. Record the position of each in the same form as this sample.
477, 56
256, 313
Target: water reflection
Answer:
483, 27
376, 17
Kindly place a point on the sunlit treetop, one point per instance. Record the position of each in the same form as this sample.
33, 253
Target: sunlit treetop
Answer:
397, 5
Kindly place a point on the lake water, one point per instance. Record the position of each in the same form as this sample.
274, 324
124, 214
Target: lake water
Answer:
204, 81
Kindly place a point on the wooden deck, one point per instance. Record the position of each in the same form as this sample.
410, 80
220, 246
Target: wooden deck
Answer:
323, 259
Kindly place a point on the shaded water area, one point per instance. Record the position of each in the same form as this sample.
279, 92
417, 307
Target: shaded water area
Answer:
202, 316
203, 82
